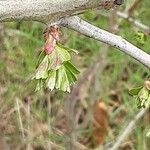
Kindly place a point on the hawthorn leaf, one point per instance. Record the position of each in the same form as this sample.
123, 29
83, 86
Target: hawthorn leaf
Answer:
138, 102
135, 91
54, 61
40, 85
59, 77
71, 77
147, 103
62, 82
63, 54
41, 57
51, 80
68, 49
143, 94
58, 57
69, 66
65, 86
41, 71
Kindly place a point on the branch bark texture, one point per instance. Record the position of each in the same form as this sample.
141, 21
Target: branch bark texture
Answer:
43, 10
91, 31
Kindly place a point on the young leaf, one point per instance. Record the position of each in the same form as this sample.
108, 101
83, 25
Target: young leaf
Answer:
147, 103
65, 86
71, 77
41, 71
63, 54
143, 94
41, 57
69, 66
58, 57
135, 91
54, 61
138, 102
62, 82
40, 85
51, 79
68, 49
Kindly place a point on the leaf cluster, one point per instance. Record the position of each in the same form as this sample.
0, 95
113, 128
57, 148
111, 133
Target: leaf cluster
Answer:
55, 70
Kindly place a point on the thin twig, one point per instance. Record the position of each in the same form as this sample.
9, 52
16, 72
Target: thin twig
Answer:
49, 111
128, 130
19, 118
133, 7
137, 23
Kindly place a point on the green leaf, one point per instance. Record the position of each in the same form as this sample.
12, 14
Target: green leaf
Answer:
138, 102
68, 49
135, 91
40, 85
71, 77
58, 57
54, 61
41, 71
55, 70
143, 94
147, 103
51, 80
69, 66
41, 57
65, 86
63, 54
62, 82
59, 77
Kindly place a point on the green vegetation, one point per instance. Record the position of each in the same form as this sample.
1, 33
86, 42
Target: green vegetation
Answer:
20, 47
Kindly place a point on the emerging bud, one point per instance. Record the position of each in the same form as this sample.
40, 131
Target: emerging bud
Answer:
51, 36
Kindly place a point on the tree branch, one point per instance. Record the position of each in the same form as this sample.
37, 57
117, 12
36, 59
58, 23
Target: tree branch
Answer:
128, 129
91, 31
44, 10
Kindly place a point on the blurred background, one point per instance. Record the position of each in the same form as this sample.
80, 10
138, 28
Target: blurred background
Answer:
99, 107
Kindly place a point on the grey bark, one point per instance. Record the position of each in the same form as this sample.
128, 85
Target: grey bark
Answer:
43, 10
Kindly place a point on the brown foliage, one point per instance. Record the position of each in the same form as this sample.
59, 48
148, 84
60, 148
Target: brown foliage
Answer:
100, 123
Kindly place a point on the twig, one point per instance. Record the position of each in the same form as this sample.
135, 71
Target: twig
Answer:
49, 111
19, 117
137, 23
128, 130
91, 31
133, 7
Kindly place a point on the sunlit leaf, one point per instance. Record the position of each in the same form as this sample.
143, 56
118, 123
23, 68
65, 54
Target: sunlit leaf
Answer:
41, 57
148, 134
39, 85
143, 94
63, 54
54, 61
56, 70
65, 86
138, 102
62, 82
147, 103
41, 71
51, 80
68, 49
